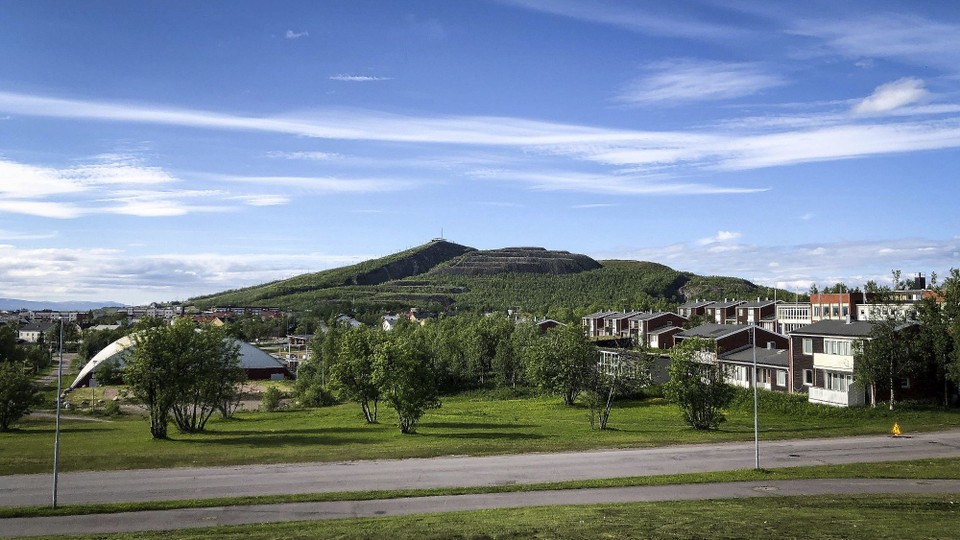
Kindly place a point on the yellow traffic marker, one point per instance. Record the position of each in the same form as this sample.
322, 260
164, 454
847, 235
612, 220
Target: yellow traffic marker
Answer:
896, 430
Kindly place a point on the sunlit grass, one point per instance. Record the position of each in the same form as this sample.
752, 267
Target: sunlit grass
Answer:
464, 425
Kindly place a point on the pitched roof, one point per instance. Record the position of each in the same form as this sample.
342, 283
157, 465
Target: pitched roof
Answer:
765, 356
697, 303
663, 330
727, 304
713, 330
855, 329
647, 315
759, 303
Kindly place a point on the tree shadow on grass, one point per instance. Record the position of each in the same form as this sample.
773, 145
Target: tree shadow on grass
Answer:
475, 425
274, 440
488, 435
282, 432
63, 429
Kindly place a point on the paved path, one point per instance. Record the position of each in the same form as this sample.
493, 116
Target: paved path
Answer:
190, 483
236, 515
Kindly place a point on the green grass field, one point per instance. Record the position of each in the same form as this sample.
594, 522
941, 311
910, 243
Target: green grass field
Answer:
465, 425
821, 517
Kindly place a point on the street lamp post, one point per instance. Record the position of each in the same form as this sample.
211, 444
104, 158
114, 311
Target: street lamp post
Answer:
756, 423
56, 439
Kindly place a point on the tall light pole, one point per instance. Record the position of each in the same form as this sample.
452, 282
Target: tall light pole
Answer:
56, 439
756, 423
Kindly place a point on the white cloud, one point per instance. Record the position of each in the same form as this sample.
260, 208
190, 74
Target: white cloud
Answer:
14, 235
295, 35
110, 274
325, 184
892, 95
357, 78
686, 80
888, 35
595, 205
636, 18
721, 236
800, 265
606, 184
654, 156
313, 156
264, 200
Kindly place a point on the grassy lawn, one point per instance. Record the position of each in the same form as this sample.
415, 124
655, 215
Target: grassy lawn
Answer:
822, 517
465, 425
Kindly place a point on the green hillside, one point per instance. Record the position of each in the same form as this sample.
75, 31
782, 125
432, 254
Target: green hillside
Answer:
443, 275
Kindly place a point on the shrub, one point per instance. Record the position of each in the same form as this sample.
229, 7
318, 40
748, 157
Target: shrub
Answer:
272, 399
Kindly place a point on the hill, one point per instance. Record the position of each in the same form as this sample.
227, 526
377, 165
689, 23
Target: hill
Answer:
400, 265
520, 260
442, 275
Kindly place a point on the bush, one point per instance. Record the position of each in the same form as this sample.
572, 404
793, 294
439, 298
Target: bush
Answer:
111, 408
315, 395
272, 399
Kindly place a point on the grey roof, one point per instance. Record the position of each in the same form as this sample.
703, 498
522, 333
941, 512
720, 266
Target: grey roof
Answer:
727, 304
253, 358
855, 329
622, 315
713, 330
697, 303
663, 330
600, 314
759, 303
647, 315
38, 326
765, 357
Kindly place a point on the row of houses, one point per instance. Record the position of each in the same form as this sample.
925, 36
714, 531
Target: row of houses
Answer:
803, 347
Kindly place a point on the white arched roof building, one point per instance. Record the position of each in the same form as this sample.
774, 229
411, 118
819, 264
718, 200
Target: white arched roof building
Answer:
256, 363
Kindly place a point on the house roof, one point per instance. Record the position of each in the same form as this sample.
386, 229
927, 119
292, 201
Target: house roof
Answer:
645, 316
616, 315
663, 330
713, 330
697, 303
759, 303
765, 356
250, 358
855, 329
38, 326
600, 314
727, 304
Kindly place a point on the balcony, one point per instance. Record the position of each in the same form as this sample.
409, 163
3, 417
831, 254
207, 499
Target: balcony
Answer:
854, 397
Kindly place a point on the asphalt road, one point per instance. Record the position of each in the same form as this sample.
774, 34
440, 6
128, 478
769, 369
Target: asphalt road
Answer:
237, 515
190, 483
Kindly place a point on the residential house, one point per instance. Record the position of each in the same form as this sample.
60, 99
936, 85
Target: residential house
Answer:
693, 308
735, 352
617, 324
834, 306
31, 332
822, 361
723, 312
653, 329
762, 313
594, 324
792, 315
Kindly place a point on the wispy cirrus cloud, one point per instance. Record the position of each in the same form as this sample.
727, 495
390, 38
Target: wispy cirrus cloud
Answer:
654, 155
900, 36
312, 156
607, 184
295, 35
646, 19
357, 78
685, 80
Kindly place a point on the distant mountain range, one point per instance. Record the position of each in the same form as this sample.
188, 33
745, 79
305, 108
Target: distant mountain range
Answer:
12, 304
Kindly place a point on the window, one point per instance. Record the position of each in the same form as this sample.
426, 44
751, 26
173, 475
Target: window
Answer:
808, 377
836, 347
807, 346
839, 382
905, 383
781, 377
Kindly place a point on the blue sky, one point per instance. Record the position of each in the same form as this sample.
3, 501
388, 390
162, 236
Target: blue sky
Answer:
156, 151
